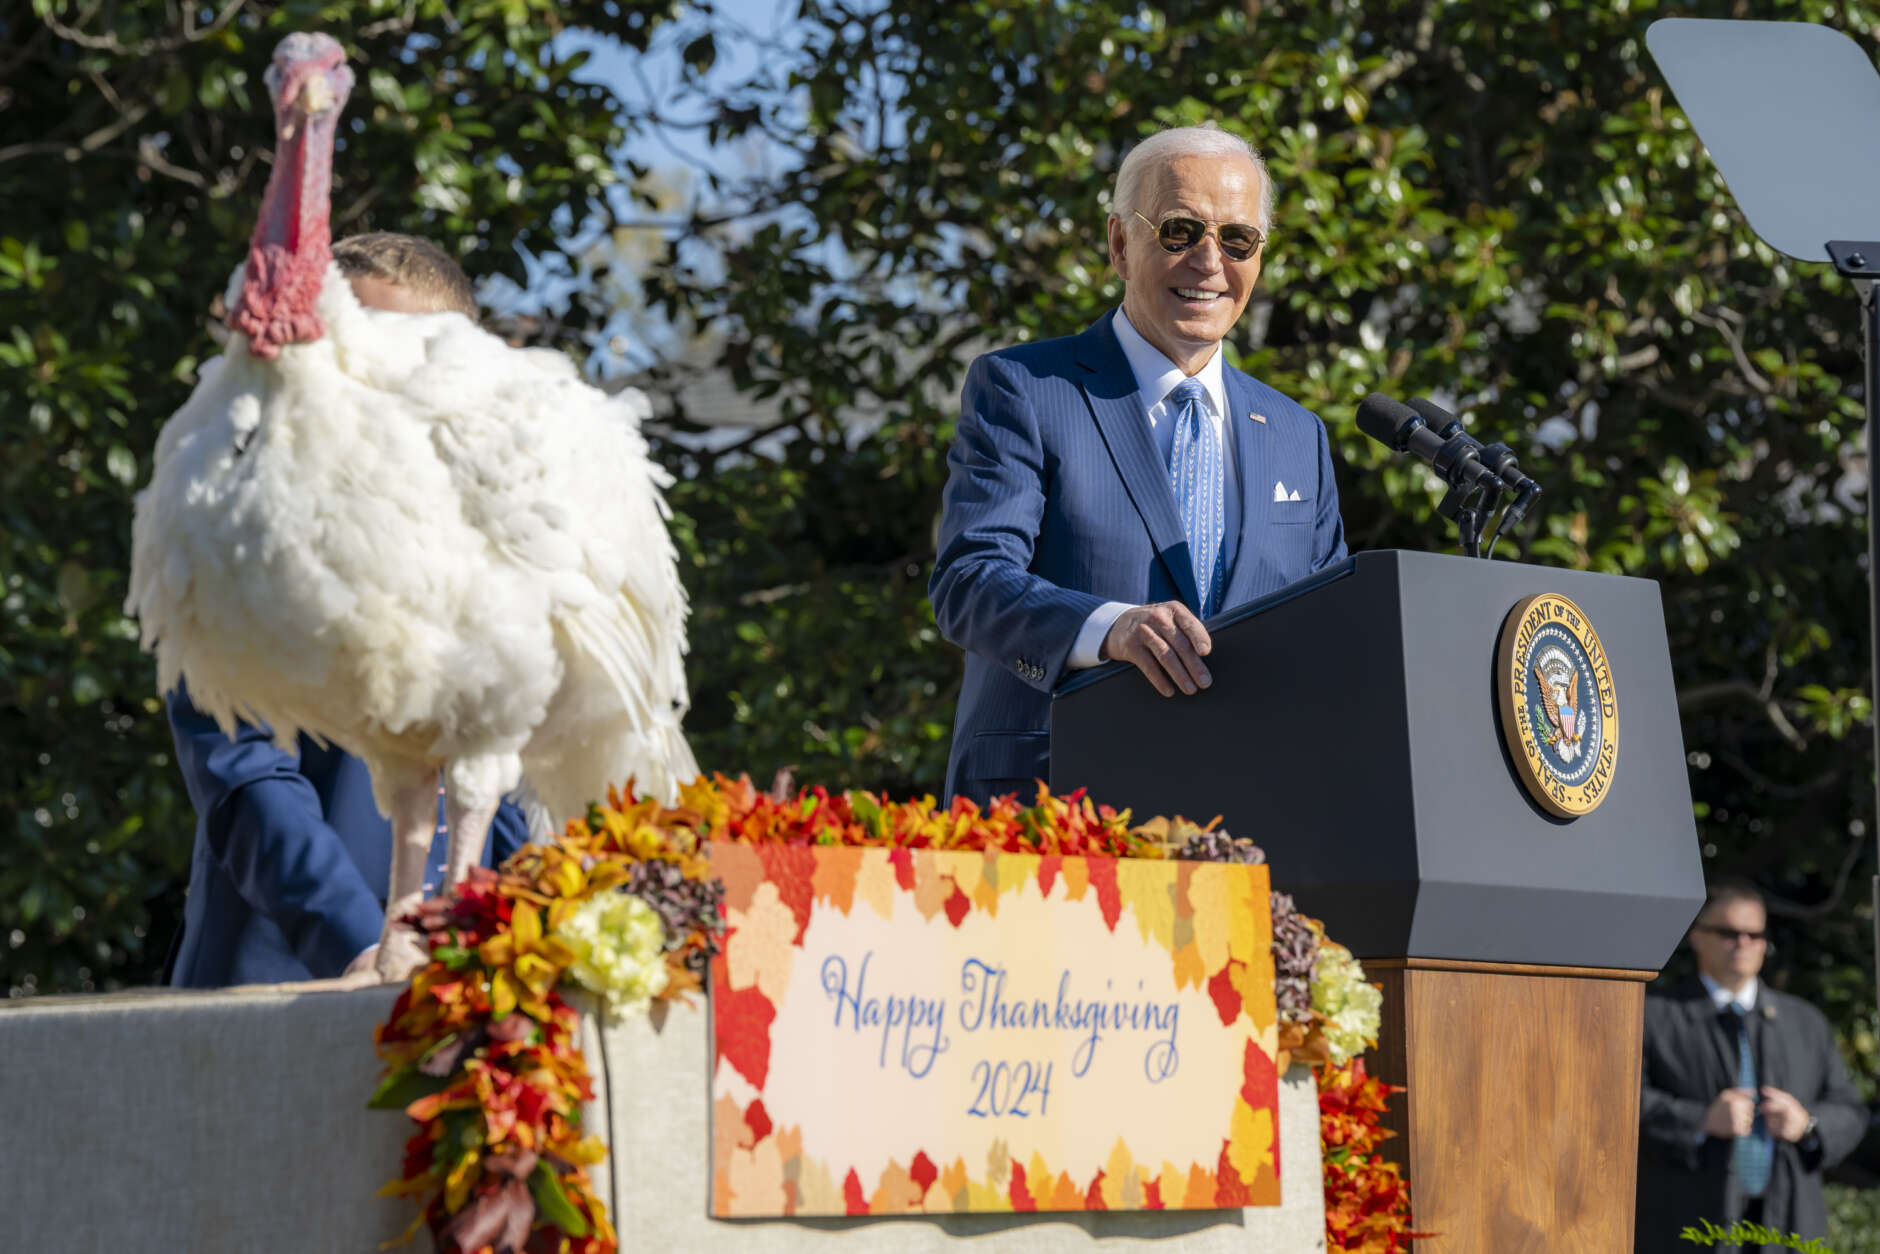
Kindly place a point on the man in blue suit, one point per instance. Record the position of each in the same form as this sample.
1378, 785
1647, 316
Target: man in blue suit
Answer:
292, 858
1110, 490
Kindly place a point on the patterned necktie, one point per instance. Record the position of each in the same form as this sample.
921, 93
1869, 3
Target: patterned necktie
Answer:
1196, 472
1752, 1155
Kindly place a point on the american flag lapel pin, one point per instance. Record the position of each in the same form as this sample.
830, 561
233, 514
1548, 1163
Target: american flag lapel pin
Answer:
1257, 416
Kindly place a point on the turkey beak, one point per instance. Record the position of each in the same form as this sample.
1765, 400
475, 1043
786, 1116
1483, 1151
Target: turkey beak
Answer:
316, 95
313, 95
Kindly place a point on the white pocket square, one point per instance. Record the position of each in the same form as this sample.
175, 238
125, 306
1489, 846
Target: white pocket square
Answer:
1280, 493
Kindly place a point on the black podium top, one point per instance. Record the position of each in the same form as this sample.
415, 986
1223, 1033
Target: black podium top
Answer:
1353, 730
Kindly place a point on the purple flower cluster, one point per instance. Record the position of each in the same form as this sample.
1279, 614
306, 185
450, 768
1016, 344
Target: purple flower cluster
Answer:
1221, 847
1295, 958
682, 905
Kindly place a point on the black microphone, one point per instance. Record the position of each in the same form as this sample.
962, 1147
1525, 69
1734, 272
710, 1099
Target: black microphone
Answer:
1456, 458
1499, 458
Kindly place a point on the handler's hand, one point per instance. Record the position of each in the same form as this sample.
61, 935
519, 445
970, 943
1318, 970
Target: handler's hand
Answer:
1731, 1114
1164, 641
1786, 1117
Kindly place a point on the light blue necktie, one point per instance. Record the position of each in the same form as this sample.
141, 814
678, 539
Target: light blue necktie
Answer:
1752, 1154
1196, 472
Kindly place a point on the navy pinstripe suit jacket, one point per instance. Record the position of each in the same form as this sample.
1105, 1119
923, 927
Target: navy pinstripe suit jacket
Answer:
1057, 501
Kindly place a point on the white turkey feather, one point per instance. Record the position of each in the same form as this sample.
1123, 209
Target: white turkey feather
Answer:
409, 538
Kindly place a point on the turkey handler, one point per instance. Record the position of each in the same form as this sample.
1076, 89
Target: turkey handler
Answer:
1108, 491
289, 845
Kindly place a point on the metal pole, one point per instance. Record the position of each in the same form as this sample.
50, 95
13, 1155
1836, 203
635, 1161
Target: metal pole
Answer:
1869, 292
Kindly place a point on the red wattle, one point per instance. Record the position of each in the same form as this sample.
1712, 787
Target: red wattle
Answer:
278, 295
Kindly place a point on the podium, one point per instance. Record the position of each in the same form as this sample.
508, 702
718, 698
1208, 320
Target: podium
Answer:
1355, 728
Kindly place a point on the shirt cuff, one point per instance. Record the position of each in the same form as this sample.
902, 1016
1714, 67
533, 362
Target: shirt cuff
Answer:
1087, 649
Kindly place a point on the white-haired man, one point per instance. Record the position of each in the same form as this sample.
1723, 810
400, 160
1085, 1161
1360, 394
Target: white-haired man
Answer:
1108, 491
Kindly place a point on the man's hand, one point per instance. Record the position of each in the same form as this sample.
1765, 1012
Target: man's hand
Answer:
1732, 1113
1786, 1117
363, 962
1166, 642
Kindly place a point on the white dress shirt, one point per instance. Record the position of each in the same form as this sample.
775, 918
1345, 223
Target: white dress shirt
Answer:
1156, 377
1723, 996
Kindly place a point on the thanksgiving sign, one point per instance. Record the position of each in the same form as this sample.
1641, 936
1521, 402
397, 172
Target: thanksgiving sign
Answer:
918, 1031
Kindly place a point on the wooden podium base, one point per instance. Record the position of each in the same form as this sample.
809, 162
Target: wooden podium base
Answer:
1519, 1132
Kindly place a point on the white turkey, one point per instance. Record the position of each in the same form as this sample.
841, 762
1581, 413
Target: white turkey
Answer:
398, 534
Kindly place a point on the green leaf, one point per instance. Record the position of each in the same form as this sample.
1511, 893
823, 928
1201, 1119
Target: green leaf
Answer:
556, 1208
404, 1087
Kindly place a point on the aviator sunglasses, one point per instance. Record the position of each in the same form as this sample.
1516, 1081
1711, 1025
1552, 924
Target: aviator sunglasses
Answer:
1178, 233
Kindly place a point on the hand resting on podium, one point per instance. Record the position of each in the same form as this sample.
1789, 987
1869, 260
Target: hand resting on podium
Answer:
1164, 641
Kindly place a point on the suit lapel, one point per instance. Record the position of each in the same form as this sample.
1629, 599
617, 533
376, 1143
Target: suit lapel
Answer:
1251, 465
1110, 388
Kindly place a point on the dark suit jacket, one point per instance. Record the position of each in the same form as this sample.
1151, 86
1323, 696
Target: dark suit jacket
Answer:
1690, 1057
1057, 500
292, 857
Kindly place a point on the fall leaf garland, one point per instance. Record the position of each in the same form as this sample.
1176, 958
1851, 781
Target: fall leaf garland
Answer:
480, 1050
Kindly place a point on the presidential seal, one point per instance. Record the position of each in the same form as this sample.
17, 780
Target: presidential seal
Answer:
1558, 709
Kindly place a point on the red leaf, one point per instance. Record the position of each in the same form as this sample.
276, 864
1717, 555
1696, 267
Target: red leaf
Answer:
1229, 1188
902, 860
1226, 996
1261, 1087
852, 1194
758, 1120
1021, 1194
922, 1172
1109, 896
1152, 1196
1093, 1196
741, 1020
1048, 873
958, 906
792, 868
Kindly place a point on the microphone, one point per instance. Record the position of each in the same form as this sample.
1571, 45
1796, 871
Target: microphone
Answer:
1499, 458
1456, 457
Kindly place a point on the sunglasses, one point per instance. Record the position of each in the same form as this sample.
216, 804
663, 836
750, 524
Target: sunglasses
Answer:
1178, 233
1733, 934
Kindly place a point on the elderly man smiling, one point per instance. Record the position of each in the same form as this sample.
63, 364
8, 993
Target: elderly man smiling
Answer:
1108, 491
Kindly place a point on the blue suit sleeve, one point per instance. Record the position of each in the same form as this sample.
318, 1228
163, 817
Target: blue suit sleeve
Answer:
985, 598
509, 831
264, 827
1328, 527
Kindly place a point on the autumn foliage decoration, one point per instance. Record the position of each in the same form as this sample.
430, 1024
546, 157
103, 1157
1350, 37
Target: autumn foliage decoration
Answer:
1367, 1200
480, 1050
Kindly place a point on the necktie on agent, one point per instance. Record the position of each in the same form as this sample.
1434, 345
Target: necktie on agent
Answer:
1752, 1155
1196, 472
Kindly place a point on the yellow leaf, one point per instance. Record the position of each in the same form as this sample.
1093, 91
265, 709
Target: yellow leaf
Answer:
1076, 875
874, 882
1122, 1184
1208, 899
1250, 1141
498, 950
818, 1192
457, 1183
504, 993
1189, 968
525, 925
1148, 888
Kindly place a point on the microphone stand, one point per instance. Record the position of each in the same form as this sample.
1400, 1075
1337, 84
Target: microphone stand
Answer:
1469, 508
1467, 505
